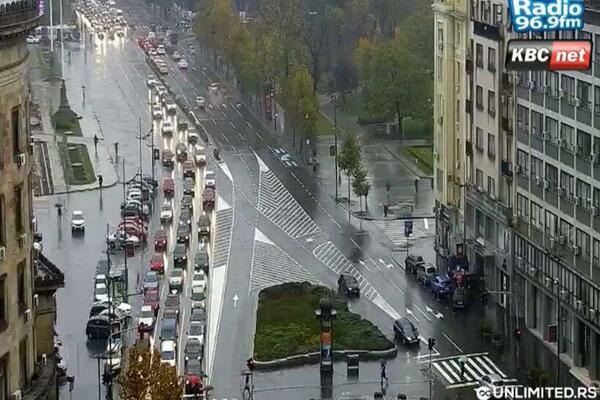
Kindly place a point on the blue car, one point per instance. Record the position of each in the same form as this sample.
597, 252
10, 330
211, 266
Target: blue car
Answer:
441, 286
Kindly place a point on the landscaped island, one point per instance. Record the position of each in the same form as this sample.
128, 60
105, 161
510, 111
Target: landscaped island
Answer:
286, 324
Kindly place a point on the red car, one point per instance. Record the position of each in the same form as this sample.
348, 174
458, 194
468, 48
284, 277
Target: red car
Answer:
168, 187
134, 230
160, 241
152, 299
157, 263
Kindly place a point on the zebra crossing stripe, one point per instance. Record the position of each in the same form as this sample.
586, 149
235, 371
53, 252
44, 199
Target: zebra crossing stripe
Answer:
442, 372
451, 367
472, 362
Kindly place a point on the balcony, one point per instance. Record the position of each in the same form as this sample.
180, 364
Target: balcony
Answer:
487, 31
18, 16
507, 125
507, 168
487, 204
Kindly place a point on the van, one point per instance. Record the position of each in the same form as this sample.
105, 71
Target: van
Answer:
425, 273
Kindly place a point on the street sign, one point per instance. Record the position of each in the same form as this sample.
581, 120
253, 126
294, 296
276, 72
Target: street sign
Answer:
408, 228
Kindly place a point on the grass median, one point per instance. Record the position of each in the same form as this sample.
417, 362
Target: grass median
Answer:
286, 324
76, 163
423, 156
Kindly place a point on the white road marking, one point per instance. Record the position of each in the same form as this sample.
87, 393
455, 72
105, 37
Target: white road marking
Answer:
249, 124
410, 313
226, 138
426, 223
232, 125
364, 264
356, 244
258, 134
452, 342
240, 135
235, 300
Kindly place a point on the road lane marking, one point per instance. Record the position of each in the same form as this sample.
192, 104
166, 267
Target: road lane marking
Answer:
397, 287
258, 134
364, 264
249, 124
356, 244
452, 342
232, 125
241, 136
412, 314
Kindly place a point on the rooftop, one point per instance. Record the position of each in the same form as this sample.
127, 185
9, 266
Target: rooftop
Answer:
47, 275
17, 16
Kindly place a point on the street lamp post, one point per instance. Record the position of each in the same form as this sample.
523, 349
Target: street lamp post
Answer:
335, 139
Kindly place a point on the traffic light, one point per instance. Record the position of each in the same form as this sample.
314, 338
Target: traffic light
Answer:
430, 343
518, 333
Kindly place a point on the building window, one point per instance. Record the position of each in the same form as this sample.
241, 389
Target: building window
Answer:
4, 394
583, 94
566, 134
551, 35
23, 356
498, 15
537, 216
551, 176
491, 187
440, 68
479, 55
2, 222
584, 35
479, 97
21, 288
596, 253
523, 207
491, 102
584, 193
552, 129
584, 144
568, 87
522, 162
537, 77
3, 303
491, 59
19, 209
479, 178
597, 100
566, 230
552, 84
567, 184
582, 240
16, 129
522, 118
537, 121
537, 167
567, 34
523, 78
491, 146
479, 139
551, 224
458, 33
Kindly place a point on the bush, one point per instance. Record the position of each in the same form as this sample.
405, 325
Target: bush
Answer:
417, 128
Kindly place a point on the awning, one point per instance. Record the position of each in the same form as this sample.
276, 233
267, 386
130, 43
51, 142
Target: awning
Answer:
457, 263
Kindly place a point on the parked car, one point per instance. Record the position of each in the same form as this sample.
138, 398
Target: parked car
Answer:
160, 240
166, 212
172, 302
188, 187
150, 281
192, 136
199, 279
124, 308
189, 170
168, 158
168, 187
100, 327
201, 261
185, 216
197, 331
157, 263
348, 285
180, 256
199, 297
459, 298
183, 234
193, 349
101, 292
441, 286
208, 199
187, 201
425, 273
198, 315
193, 376
167, 128
200, 156
412, 262
152, 299
168, 352
181, 152
406, 332
176, 279
203, 226
146, 318
77, 221
209, 179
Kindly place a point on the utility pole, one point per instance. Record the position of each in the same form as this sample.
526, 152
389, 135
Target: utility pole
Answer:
140, 147
110, 313
126, 244
335, 138
152, 150
430, 346
52, 35
62, 43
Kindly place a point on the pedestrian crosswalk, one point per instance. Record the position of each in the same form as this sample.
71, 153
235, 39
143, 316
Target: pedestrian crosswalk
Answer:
476, 366
333, 258
222, 241
283, 156
277, 204
394, 230
272, 266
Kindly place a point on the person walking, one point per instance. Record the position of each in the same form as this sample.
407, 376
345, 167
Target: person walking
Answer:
462, 361
96, 143
416, 185
384, 372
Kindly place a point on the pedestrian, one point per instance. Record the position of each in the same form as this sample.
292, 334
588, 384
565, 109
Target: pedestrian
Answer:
462, 361
100, 181
96, 143
416, 185
384, 372
385, 210
117, 151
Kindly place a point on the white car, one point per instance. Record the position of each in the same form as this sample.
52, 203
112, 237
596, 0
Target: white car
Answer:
166, 212
100, 292
134, 194
176, 278
32, 39
200, 155
200, 101
209, 179
152, 53
167, 128
213, 86
146, 317
114, 350
171, 107
199, 297
124, 308
160, 50
151, 81
77, 221
100, 279
199, 279
157, 112
192, 136
161, 90
491, 381
162, 68
182, 64
196, 331
176, 56
167, 352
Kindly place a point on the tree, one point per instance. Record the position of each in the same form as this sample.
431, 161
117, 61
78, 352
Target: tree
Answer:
300, 102
360, 184
349, 157
146, 377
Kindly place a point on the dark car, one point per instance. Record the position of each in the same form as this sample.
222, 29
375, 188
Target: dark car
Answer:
99, 327
171, 314
172, 302
183, 234
150, 281
208, 199
182, 124
201, 261
181, 152
189, 169
168, 329
188, 186
459, 298
167, 158
203, 226
193, 349
102, 267
152, 299
405, 331
348, 285
180, 256
441, 286
412, 262
187, 201
185, 217
198, 315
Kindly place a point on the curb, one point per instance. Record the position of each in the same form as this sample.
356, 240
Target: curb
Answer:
415, 171
83, 189
313, 358
367, 218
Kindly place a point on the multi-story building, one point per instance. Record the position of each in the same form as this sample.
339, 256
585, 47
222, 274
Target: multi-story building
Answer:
18, 353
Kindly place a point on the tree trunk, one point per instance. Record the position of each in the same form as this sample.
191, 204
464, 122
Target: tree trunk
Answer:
366, 204
360, 202
348, 176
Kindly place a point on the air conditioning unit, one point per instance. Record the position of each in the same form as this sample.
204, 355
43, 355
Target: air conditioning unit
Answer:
578, 201
537, 180
552, 242
532, 271
576, 250
23, 240
561, 93
36, 300
545, 135
562, 240
517, 168
562, 143
531, 85
579, 305
20, 159
17, 395
548, 282
546, 184
595, 211
28, 315
594, 158
440, 46
2, 253
546, 88
575, 149
520, 261
562, 192
479, 189
577, 102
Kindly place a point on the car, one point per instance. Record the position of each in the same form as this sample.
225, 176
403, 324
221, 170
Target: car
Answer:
185, 217
182, 124
180, 256
201, 261
198, 315
160, 240
168, 329
176, 279
166, 212
167, 158
171, 314
77, 221
203, 226
193, 349
209, 179
171, 107
100, 279
200, 101
172, 302
200, 156
157, 263
134, 194
183, 234
167, 352
146, 318
491, 381
181, 152
188, 186
123, 307
167, 128
113, 314
32, 39
196, 331
459, 298
100, 327
405, 331
208, 199
157, 112
193, 376
101, 292
150, 281
189, 169
425, 273
112, 356
199, 297
168, 187
151, 81
182, 64
199, 279
213, 86
152, 299
176, 56
441, 286
161, 91
412, 262
348, 285
160, 50
187, 202
192, 136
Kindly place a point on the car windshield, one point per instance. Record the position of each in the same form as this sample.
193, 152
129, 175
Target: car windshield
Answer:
101, 290
196, 330
193, 367
198, 295
172, 301
166, 207
148, 313
156, 258
177, 273
167, 355
77, 214
151, 278
152, 295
